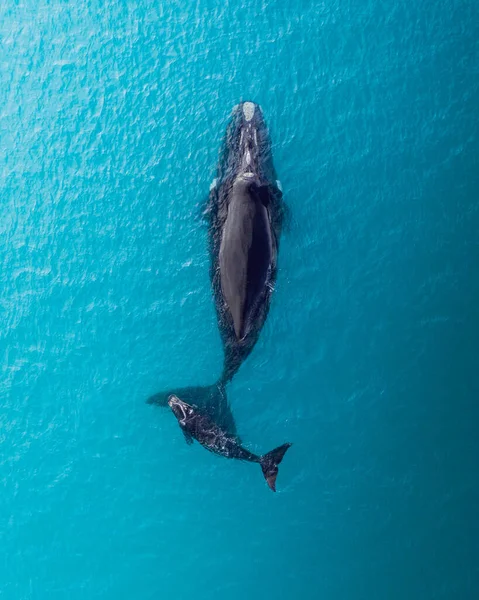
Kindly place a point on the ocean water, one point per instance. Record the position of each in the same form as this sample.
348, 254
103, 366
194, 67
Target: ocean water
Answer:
111, 118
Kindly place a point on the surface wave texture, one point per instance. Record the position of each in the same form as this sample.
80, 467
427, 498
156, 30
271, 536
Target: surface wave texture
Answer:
111, 118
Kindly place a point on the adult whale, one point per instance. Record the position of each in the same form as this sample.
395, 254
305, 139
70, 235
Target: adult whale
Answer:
245, 215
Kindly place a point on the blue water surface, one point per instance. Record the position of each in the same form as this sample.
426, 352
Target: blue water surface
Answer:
111, 117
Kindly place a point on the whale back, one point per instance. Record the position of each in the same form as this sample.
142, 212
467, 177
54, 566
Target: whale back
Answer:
245, 253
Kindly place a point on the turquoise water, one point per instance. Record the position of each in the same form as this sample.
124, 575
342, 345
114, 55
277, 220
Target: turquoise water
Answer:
111, 117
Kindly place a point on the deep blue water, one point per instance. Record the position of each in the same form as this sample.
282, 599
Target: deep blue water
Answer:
111, 117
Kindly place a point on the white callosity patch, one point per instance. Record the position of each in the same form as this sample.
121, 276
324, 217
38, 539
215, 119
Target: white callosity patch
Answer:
278, 183
213, 184
248, 110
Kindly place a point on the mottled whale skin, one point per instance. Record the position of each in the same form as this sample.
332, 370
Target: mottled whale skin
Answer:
197, 425
245, 214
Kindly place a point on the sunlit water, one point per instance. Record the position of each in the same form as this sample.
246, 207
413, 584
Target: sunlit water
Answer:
111, 117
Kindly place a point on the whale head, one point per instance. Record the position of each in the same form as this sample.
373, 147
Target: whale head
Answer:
247, 145
182, 410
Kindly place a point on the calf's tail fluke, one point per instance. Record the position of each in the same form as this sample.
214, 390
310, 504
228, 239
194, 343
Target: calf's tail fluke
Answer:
270, 463
211, 398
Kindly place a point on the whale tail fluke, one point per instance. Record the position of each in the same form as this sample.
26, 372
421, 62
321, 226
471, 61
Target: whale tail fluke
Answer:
270, 463
211, 399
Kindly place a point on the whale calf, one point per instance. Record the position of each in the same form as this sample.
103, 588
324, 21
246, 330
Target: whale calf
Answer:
245, 214
197, 425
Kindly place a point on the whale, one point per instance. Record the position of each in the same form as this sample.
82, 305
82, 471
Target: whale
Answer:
197, 425
245, 213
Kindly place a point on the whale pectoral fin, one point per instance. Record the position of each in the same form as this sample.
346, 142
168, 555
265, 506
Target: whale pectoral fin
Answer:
188, 437
262, 193
282, 215
272, 195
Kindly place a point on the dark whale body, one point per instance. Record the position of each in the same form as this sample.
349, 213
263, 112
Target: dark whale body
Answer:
198, 426
245, 214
